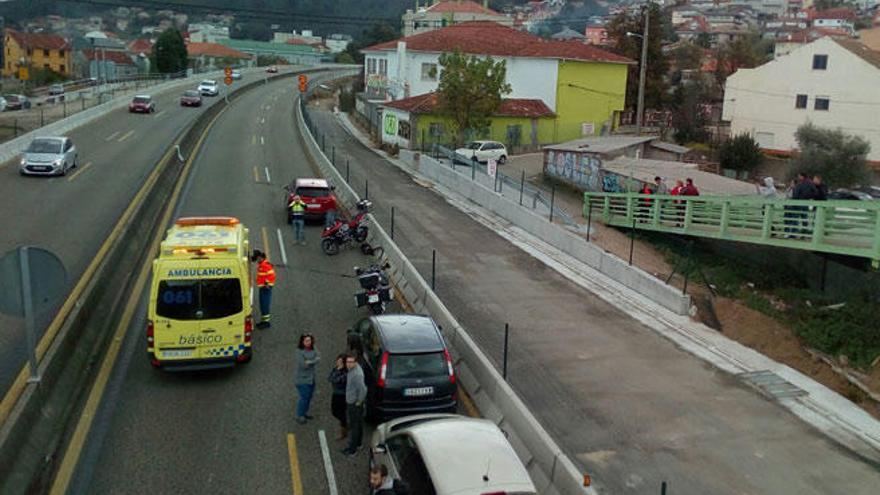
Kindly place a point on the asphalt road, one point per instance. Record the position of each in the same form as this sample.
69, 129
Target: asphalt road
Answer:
227, 431
626, 405
72, 216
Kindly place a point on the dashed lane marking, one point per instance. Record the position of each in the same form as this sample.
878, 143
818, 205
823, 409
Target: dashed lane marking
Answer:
281, 248
328, 464
268, 177
295, 477
111, 137
126, 136
81, 170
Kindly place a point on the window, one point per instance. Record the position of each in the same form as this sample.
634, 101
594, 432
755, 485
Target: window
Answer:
199, 299
46, 66
822, 103
435, 129
60, 53
414, 366
61, 69
800, 101
371, 66
429, 72
410, 466
820, 62
383, 66
403, 129
45, 52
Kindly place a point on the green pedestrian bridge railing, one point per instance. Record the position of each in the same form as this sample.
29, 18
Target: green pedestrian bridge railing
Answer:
845, 227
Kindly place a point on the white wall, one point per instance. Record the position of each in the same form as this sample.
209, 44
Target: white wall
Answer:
761, 101
392, 119
528, 77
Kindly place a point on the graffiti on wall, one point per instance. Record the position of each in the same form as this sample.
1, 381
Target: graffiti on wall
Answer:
610, 183
579, 169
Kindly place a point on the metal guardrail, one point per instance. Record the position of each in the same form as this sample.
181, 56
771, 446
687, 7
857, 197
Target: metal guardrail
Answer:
844, 227
537, 195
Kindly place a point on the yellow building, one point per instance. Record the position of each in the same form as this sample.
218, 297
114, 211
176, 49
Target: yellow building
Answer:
35, 50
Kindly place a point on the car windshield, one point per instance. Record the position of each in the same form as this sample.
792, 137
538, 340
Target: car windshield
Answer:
141, 99
11, 98
417, 365
198, 299
207, 83
192, 94
313, 192
474, 146
45, 146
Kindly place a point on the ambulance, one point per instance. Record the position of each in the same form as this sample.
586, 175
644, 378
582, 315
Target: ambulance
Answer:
199, 313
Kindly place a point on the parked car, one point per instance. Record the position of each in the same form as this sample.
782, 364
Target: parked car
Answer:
17, 102
3, 104
317, 194
236, 74
484, 150
209, 87
446, 454
851, 195
142, 104
56, 89
191, 98
272, 69
407, 366
48, 156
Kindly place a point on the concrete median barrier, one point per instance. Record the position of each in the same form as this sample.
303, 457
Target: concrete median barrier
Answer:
552, 470
37, 427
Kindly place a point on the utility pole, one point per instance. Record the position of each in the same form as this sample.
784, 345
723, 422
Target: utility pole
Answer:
640, 109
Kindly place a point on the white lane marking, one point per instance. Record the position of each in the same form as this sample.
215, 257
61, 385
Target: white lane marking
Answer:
159, 114
281, 247
262, 140
111, 136
126, 136
328, 465
263, 120
268, 177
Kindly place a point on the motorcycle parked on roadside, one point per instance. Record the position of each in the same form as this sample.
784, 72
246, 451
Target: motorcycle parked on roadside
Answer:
343, 233
376, 287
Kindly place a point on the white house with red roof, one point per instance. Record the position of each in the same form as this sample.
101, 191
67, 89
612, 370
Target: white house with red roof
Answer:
580, 85
830, 82
442, 13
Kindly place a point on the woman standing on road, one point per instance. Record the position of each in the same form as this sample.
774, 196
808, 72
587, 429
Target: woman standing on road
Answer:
306, 359
337, 379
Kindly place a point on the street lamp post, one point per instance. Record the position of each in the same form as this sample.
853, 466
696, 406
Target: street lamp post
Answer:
640, 107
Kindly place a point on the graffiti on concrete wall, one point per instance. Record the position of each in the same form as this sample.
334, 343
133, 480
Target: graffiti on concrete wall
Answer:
610, 183
579, 169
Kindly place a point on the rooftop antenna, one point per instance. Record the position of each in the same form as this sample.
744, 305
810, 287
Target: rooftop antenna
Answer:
488, 467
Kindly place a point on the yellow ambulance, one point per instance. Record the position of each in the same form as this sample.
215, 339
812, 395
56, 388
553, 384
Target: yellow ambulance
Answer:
199, 314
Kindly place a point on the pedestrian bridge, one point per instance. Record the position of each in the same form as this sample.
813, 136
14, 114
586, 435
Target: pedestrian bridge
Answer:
844, 227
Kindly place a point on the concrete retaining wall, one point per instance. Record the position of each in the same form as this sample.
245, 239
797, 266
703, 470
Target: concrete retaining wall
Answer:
559, 237
551, 470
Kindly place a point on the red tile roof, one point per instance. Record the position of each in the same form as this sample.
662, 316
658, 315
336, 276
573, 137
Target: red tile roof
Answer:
119, 58
141, 45
491, 38
460, 7
510, 107
38, 40
213, 50
844, 13
861, 51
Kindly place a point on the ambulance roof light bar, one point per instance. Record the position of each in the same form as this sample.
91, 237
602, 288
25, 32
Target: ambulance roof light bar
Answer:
193, 221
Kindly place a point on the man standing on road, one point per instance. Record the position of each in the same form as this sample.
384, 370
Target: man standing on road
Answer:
298, 216
265, 283
355, 395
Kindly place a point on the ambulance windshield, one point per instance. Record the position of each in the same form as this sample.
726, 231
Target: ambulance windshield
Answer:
202, 299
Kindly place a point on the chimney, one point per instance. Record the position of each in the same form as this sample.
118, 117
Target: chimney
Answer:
401, 60
485, 4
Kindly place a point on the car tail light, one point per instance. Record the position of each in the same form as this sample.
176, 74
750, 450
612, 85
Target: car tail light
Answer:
150, 334
383, 369
449, 365
248, 329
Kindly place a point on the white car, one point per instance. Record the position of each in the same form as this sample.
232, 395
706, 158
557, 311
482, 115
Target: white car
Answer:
209, 88
236, 74
48, 156
484, 151
447, 454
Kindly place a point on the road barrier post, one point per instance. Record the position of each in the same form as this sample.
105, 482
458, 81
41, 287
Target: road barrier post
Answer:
433, 267
504, 365
522, 186
589, 218
41, 117
392, 223
366, 189
333, 156
632, 241
347, 171
552, 202
473, 167
663, 488
323, 142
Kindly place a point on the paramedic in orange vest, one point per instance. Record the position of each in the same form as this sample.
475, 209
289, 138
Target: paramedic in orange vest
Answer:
265, 282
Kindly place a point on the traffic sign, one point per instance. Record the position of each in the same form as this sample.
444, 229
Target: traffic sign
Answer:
228, 72
23, 74
303, 83
228, 80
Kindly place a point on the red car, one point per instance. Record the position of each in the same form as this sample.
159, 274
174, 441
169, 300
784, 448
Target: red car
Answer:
317, 194
142, 104
191, 98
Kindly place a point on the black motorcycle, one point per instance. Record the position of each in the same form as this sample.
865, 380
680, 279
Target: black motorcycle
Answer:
377, 291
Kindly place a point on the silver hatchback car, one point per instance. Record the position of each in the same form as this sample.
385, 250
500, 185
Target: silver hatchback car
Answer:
48, 156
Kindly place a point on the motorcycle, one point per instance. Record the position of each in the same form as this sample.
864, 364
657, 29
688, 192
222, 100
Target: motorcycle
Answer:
376, 291
342, 233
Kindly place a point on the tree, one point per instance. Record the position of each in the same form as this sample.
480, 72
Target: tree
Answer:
740, 153
344, 58
840, 158
745, 52
470, 90
689, 117
169, 52
688, 56
375, 34
631, 46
